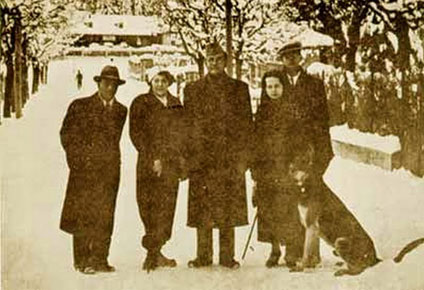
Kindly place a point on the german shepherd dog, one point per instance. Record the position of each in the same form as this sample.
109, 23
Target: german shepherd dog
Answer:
325, 216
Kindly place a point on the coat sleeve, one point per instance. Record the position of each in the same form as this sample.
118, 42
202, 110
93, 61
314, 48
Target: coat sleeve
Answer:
72, 137
257, 143
246, 142
138, 123
324, 151
192, 130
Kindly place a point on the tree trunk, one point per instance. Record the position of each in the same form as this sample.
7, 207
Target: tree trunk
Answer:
8, 90
354, 39
25, 88
41, 75
229, 36
35, 78
201, 65
18, 70
239, 64
46, 73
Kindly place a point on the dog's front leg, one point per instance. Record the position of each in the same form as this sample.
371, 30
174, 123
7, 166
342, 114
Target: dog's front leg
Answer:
311, 246
309, 249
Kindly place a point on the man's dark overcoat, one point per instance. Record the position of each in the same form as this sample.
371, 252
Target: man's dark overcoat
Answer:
157, 133
90, 135
220, 128
302, 111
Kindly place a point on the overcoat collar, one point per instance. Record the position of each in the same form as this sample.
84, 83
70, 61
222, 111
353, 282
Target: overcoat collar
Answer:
170, 99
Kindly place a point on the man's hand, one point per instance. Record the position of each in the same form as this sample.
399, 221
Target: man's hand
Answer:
157, 167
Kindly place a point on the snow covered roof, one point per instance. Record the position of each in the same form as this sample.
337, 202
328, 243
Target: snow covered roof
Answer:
97, 24
268, 41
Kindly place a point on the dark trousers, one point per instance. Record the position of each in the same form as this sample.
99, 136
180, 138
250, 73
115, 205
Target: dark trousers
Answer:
205, 244
156, 198
90, 249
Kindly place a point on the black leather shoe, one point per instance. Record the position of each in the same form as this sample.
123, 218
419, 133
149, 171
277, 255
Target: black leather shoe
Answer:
199, 262
273, 260
163, 261
231, 264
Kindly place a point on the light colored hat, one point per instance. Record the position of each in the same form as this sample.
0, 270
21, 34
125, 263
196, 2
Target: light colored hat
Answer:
154, 71
290, 47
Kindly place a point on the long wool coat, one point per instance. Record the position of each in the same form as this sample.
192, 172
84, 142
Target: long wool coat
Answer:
220, 127
90, 135
280, 124
157, 133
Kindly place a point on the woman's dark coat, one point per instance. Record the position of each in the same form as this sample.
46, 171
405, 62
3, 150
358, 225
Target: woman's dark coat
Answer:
220, 127
90, 135
279, 126
156, 132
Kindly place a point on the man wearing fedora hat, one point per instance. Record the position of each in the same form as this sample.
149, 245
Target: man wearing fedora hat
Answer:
307, 115
220, 126
90, 136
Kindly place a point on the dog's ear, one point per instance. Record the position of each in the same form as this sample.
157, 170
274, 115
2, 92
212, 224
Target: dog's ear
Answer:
310, 152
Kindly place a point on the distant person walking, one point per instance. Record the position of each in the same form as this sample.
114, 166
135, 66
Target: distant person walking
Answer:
155, 130
79, 78
90, 135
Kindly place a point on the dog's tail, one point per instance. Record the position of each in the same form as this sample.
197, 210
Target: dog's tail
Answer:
408, 248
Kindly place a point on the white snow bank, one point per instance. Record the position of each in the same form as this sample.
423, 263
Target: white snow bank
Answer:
388, 144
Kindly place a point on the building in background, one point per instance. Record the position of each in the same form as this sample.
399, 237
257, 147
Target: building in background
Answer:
123, 30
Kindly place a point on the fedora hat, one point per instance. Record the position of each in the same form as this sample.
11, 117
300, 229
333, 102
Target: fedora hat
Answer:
290, 47
110, 72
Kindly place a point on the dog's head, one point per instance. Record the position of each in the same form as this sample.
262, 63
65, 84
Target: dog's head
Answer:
301, 164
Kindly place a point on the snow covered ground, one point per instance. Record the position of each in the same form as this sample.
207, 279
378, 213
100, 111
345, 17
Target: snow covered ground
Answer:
36, 255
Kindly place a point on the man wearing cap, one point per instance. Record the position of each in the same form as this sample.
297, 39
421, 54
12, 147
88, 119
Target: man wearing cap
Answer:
220, 126
308, 116
90, 136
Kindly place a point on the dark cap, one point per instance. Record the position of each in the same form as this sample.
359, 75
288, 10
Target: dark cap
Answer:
110, 72
214, 49
290, 47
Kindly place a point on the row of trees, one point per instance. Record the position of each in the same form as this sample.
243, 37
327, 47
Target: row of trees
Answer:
32, 32
380, 43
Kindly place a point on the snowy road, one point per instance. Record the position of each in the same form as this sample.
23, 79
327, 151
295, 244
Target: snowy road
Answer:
36, 255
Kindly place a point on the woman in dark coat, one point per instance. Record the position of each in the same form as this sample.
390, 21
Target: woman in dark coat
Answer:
155, 122
277, 211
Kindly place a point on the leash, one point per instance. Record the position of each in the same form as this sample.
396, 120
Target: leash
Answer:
250, 236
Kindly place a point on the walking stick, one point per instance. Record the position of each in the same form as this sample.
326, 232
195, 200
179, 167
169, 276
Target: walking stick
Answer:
250, 236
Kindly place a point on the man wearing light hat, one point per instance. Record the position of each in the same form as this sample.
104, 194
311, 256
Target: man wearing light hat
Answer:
90, 136
308, 116
220, 126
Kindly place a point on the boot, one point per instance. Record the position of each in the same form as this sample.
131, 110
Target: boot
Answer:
199, 262
163, 261
273, 259
231, 264
151, 261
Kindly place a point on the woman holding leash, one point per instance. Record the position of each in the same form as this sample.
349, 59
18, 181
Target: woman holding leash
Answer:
278, 221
